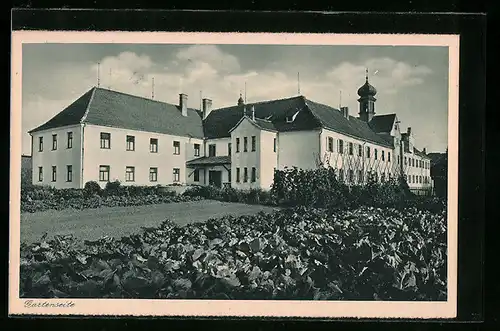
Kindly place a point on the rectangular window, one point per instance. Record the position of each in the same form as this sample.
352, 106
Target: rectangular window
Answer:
130, 143
237, 175
54, 173
253, 143
375, 151
196, 149
211, 150
54, 142
153, 145
196, 175
330, 144
177, 147
245, 175
104, 173
340, 146
69, 173
274, 147
70, 140
368, 152
237, 145
40, 144
351, 176
389, 156
229, 175
360, 150
383, 155
406, 161
105, 140
40, 174
177, 175
420, 179
153, 174
254, 175
351, 148
229, 149
129, 174
245, 144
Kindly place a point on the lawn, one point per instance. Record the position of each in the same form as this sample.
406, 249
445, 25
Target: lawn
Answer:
90, 224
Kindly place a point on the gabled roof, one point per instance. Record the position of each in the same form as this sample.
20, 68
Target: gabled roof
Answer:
116, 109
312, 115
257, 122
382, 123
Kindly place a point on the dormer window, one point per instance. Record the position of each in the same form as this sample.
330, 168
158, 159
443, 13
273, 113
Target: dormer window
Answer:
289, 119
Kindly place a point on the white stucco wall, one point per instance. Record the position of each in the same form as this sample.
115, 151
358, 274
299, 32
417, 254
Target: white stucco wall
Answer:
118, 158
61, 157
247, 159
355, 162
221, 146
268, 159
413, 173
298, 148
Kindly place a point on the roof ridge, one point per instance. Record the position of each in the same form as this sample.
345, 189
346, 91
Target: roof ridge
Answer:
260, 102
139, 97
84, 117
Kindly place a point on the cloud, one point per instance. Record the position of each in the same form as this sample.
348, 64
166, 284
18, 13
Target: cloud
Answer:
210, 55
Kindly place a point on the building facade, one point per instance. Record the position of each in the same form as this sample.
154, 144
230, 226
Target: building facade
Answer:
107, 135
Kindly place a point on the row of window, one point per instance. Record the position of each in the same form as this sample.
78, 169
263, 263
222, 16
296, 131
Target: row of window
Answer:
69, 141
416, 179
104, 174
69, 173
153, 144
253, 176
351, 147
245, 145
417, 163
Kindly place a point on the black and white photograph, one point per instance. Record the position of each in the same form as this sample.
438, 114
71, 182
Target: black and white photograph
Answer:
238, 174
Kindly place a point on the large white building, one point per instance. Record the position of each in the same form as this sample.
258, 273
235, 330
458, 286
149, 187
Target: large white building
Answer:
107, 135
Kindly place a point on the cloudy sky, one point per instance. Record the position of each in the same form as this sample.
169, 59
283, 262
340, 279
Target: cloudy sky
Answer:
411, 81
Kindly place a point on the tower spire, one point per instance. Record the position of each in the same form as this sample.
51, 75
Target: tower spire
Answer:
366, 75
298, 82
98, 74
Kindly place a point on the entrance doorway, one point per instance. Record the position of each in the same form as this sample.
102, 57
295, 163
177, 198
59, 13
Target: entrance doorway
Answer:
215, 178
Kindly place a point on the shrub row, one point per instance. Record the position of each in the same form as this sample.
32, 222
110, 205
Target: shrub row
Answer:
321, 188
229, 194
41, 198
300, 254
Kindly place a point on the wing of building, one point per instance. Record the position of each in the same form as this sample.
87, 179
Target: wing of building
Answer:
107, 135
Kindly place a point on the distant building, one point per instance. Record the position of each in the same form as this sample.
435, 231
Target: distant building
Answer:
439, 173
107, 135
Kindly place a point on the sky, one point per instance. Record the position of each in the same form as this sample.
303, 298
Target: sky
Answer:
412, 81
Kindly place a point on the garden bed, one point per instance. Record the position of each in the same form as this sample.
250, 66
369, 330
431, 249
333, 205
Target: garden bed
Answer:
301, 254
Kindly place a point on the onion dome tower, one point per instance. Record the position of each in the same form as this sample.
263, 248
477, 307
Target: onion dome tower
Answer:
367, 100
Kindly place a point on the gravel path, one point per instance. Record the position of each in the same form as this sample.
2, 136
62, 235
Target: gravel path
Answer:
89, 224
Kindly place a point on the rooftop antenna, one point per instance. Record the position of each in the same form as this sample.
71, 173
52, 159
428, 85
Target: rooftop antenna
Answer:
98, 74
201, 100
245, 92
109, 86
153, 88
366, 75
298, 82
340, 99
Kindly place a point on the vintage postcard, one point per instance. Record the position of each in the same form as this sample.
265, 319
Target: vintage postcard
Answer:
234, 174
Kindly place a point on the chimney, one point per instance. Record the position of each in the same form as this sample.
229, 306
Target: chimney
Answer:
408, 131
183, 100
345, 111
425, 150
253, 113
207, 107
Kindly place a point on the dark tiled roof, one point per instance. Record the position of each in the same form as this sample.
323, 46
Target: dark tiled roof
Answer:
115, 109
382, 123
71, 115
210, 160
220, 121
334, 120
264, 124
311, 115
420, 153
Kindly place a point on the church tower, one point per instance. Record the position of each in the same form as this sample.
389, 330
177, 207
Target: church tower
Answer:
367, 100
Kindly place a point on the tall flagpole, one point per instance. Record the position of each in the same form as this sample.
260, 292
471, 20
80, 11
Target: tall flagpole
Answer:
98, 74
298, 82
